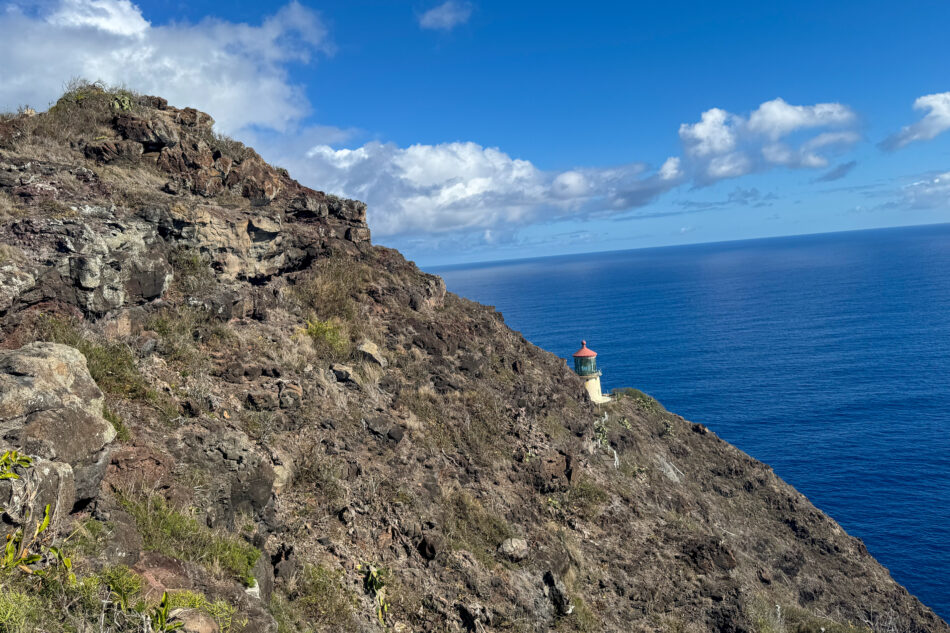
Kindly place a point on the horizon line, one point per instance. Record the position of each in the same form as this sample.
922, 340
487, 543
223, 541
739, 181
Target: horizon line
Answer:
488, 262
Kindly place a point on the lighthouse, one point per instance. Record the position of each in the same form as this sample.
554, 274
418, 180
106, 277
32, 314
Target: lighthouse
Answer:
585, 366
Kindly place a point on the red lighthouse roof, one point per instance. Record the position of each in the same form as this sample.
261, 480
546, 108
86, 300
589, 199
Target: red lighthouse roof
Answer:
584, 351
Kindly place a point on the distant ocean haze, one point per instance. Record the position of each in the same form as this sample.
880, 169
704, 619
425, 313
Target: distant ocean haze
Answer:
825, 356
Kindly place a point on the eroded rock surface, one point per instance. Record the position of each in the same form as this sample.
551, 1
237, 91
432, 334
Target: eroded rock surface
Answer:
51, 409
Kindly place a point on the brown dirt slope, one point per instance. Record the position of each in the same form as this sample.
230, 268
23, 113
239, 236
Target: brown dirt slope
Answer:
312, 434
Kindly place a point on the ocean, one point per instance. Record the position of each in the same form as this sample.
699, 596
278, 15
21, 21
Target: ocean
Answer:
825, 356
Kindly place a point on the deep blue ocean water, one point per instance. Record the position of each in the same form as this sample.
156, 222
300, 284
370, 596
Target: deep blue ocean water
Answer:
827, 357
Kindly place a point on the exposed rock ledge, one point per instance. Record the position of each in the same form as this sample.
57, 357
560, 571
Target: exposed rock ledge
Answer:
51, 409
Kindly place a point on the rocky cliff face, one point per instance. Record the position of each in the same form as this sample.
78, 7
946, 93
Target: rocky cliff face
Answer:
231, 397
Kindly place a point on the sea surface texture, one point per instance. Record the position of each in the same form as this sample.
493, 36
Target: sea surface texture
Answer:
827, 357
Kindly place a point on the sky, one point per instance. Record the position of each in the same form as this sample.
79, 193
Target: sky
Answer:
481, 130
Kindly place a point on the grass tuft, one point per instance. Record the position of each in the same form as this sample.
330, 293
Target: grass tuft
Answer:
318, 601
179, 535
121, 430
17, 610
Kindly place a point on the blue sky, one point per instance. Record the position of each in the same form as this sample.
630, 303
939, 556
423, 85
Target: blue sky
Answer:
491, 130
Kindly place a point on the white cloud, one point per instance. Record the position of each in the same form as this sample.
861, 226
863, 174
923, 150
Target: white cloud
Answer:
446, 16
936, 121
929, 193
236, 72
119, 17
465, 187
725, 145
776, 118
670, 170
716, 133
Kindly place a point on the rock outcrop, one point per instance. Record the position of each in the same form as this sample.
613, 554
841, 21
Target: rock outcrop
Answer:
307, 433
51, 410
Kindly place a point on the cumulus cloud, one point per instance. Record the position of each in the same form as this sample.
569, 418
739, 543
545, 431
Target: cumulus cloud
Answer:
725, 145
237, 72
936, 121
446, 16
465, 187
468, 187
775, 119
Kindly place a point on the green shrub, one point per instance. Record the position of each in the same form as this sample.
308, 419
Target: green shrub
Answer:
768, 617
320, 474
181, 332
328, 337
235, 150
643, 400
175, 534
11, 462
125, 587
85, 111
318, 602
17, 611
582, 619
476, 427
376, 581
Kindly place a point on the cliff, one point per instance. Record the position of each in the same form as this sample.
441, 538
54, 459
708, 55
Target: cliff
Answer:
226, 395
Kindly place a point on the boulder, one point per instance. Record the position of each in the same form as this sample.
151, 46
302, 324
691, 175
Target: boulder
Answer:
193, 621
369, 351
514, 549
23, 500
358, 234
114, 151
152, 133
244, 478
50, 407
263, 573
350, 210
343, 373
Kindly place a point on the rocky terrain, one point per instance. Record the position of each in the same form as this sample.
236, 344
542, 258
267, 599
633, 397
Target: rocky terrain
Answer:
243, 416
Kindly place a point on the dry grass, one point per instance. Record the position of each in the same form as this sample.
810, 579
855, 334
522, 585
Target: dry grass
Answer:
472, 423
467, 525
331, 290
9, 254
318, 600
9, 207
84, 111
769, 617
